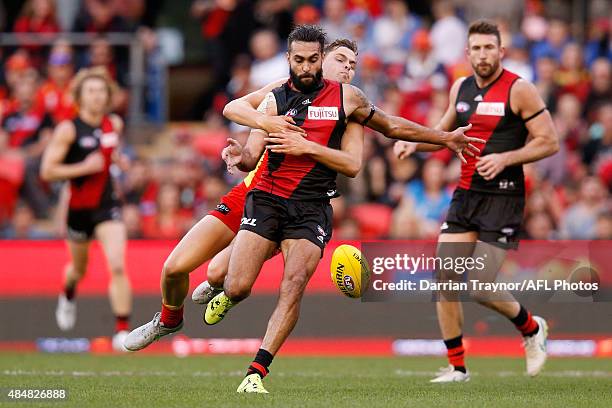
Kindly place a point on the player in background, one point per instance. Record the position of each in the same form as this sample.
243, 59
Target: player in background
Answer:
486, 211
211, 237
81, 151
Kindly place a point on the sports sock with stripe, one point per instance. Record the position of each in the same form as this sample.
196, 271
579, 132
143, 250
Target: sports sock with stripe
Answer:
455, 353
525, 323
260, 364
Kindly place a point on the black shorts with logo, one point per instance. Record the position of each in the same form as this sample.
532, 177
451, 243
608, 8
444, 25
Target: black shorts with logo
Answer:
277, 218
82, 223
496, 217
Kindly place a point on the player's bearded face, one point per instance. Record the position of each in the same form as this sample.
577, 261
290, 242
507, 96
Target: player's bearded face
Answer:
306, 82
305, 65
485, 69
485, 54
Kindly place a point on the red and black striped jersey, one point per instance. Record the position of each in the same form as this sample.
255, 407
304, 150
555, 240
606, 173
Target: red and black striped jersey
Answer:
488, 110
95, 190
321, 114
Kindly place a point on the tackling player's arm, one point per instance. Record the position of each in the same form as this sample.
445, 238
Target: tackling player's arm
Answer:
52, 167
346, 160
361, 110
243, 111
246, 158
526, 102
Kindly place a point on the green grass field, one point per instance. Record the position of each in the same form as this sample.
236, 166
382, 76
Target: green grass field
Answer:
165, 381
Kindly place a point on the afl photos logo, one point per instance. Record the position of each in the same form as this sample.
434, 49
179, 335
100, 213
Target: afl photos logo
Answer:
323, 113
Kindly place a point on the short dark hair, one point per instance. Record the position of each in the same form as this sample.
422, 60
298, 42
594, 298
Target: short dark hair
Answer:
307, 33
342, 42
484, 27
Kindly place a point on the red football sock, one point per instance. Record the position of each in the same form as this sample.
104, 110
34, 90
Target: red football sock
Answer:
122, 323
525, 323
456, 352
171, 317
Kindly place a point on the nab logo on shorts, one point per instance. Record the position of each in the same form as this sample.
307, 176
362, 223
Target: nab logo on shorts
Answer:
323, 113
249, 221
223, 209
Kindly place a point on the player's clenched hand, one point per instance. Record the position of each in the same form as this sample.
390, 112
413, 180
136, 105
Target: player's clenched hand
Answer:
279, 124
403, 149
460, 143
232, 154
491, 165
93, 163
288, 142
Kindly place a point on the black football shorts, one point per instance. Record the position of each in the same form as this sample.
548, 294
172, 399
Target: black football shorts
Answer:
496, 217
277, 218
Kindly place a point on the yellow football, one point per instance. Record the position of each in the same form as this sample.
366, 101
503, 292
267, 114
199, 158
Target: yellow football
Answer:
347, 265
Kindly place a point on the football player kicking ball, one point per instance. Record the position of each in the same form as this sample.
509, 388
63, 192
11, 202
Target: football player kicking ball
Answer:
82, 151
211, 237
290, 207
486, 211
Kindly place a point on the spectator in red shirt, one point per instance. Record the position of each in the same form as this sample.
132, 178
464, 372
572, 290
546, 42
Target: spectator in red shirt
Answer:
100, 16
28, 129
54, 94
169, 222
37, 16
572, 76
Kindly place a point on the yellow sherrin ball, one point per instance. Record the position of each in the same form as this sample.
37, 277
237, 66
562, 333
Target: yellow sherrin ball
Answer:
346, 270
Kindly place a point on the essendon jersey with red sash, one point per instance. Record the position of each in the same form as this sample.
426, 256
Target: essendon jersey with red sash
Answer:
321, 114
95, 190
488, 110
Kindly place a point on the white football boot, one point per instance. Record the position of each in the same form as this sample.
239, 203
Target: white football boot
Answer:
119, 339
204, 293
449, 374
535, 348
65, 313
146, 334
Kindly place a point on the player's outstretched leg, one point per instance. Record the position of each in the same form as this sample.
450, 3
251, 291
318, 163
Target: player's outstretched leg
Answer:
66, 311
112, 236
201, 243
301, 260
249, 253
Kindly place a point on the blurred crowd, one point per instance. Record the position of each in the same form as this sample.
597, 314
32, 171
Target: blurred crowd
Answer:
410, 52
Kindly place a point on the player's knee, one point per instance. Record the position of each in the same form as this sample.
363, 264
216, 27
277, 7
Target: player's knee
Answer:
216, 275
294, 287
480, 296
236, 291
173, 269
76, 271
117, 270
